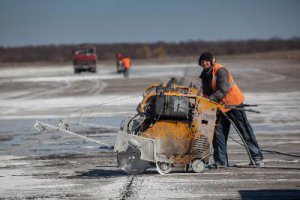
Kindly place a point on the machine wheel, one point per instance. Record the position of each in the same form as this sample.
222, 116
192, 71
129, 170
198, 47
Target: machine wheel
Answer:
163, 168
198, 165
120, 69
130, 161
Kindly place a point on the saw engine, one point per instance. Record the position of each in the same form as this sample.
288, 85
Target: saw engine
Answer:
174, 125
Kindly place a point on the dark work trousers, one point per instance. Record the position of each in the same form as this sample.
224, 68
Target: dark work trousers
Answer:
222, 131
126, 72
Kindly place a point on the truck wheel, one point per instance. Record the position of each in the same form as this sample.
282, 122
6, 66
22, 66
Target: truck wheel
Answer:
76, 71
93, 70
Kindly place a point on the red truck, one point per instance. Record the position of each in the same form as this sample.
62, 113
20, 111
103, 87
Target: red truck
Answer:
85, 59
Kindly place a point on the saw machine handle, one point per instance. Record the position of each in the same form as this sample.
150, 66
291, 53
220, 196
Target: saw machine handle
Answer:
242, 107
44, 127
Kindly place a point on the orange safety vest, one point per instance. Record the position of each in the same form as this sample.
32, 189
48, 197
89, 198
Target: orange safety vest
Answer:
126, 63
234, 95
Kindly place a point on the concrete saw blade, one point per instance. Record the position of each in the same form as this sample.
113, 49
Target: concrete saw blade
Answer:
130, 161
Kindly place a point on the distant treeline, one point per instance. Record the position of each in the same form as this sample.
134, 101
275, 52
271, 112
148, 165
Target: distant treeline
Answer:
63, 53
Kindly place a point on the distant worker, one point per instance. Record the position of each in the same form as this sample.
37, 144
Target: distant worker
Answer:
126, 64
218, 85
119, 58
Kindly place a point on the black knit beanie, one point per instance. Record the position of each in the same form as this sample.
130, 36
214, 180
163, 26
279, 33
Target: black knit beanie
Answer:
206, 56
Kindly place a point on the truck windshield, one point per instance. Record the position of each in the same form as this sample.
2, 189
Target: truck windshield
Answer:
84, 51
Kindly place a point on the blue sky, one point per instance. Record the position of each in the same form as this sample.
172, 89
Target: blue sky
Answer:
35, 22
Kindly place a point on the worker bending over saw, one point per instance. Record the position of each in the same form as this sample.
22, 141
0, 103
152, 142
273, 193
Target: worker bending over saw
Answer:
218, 85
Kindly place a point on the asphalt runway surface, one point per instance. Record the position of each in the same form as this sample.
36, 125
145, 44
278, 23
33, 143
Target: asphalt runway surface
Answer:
36, 165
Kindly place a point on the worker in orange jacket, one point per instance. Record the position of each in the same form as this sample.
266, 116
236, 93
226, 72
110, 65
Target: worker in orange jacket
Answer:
126, 64
218, 85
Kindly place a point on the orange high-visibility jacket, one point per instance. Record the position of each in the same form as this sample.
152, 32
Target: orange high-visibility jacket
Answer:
234, 95
126, 63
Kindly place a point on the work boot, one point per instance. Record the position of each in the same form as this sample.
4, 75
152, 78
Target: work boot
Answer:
216, 166
259, 163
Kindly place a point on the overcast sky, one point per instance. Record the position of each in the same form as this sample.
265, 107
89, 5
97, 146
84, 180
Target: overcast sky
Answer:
34, 22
